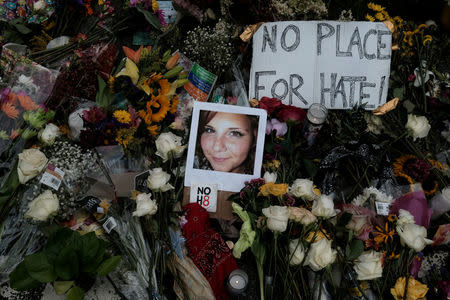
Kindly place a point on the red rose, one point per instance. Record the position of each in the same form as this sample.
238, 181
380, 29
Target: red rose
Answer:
269, 104
291, 113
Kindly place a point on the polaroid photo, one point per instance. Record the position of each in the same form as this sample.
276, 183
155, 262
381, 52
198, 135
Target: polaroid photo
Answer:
226, 145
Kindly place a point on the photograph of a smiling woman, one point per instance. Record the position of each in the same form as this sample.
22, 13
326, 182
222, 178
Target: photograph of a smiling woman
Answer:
226, 142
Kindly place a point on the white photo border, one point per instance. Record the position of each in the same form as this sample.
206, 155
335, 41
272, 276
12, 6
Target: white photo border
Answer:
225, 181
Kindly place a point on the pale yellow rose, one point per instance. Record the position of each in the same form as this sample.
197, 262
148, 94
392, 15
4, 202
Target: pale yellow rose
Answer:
277, 217
368, 265
320, 255
416, 289
301, 215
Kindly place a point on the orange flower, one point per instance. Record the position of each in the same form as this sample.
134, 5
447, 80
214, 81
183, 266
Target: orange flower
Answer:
276, 189
174, 105
153, 129
26, 102
382, 236
14, 134
163, 103
10, 110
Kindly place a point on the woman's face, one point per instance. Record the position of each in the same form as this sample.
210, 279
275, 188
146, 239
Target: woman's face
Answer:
226, 141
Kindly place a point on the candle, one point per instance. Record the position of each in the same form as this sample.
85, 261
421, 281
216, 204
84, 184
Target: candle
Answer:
237, 282
316, 116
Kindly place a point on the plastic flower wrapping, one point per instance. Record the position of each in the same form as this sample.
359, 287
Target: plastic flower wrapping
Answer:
101, 139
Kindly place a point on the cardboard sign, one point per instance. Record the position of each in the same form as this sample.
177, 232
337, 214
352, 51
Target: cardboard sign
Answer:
337, 64
205, 195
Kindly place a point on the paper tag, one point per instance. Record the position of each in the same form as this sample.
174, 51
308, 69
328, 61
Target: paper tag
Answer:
52, 177
205, 195
170, 14
201, 82
140, 182
110, 224
382, 208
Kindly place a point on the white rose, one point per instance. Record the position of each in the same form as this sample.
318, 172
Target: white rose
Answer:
158, 180
145, 205
405, 217
414, 236
270, 177
368, 265
323, 207
277, 217
320, 255
296, 252
43, 206
303, 188
38, 5
418, 126
168, 144
440, 204
49, 134
31, 163
301, 215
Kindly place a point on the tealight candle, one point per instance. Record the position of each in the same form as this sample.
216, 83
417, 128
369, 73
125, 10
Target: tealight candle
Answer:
237, 282
316, 116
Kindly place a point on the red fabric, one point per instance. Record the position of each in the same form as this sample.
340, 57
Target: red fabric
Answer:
207, 249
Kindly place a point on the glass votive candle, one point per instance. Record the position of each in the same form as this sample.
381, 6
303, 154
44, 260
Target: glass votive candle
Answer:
316, 116
237, 282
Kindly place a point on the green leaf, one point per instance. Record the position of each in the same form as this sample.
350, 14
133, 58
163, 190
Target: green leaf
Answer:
57, 242
75, 293
310, 167
22, 28
398, 92
20, 280
104, 98
66, 264
108, 265
91, 266
344, 219
356, 248
61, 287
39, 267
90, 245
152, 19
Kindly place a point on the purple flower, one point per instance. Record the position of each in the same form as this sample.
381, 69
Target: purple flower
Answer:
280, 127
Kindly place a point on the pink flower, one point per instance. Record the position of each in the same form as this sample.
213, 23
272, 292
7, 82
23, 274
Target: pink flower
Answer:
280, 127
411, 77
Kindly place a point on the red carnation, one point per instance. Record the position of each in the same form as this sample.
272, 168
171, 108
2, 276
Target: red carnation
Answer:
270, 104
291, 113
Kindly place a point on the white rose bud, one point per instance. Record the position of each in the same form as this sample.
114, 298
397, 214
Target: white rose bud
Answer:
31, 163
270, 177
323, 207
417, 126
43, 206
368, 265
320, 255
49, 134
158, 180
168, 144
303, 188
296, 252
414, 236
145, 205
277, 217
